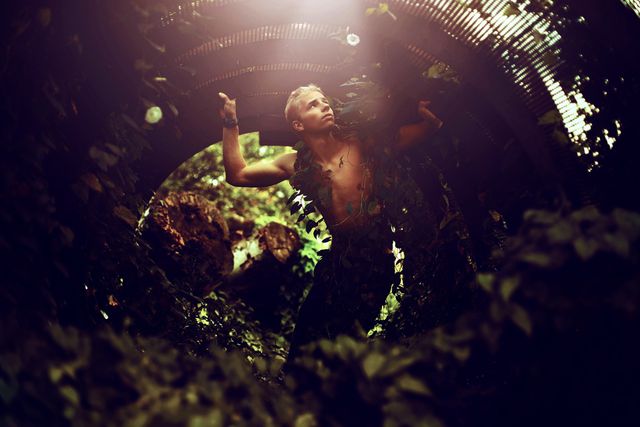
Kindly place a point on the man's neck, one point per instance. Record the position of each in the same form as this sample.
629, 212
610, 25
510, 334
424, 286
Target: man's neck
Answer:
324, 146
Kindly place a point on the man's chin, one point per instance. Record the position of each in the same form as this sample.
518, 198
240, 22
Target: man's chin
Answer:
329, 126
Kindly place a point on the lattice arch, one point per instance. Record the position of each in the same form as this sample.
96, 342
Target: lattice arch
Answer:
260, 50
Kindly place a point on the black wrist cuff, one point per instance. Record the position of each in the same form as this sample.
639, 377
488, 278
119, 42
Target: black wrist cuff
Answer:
229, 123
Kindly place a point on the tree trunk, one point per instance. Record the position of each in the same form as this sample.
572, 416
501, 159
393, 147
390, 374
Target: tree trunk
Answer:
190, 240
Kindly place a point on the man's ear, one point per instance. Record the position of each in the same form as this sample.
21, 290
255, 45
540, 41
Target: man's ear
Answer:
297, 125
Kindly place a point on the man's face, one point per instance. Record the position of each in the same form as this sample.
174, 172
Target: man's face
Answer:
315, 113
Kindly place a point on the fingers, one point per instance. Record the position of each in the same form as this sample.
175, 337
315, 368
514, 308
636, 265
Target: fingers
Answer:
229, 107
424, 103
225, 97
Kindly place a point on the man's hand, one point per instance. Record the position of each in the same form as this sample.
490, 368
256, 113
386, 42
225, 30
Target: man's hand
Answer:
427, 114
409, 135
229, 108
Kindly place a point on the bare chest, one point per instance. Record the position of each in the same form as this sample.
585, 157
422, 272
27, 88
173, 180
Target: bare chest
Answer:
350, 179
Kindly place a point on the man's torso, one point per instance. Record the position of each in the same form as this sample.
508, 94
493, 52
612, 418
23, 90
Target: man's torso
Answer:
350, 175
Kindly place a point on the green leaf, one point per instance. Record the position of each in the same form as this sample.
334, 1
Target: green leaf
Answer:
539, 216
380, 10
550, 117
461, 353
562, 232
485, 280
507, 286
559, 136
372, 207
306, 420
92, 181
521, 318
308, 209
55, 373
347, 346
310, 224
585, 248
539, 259
291, 197
629, 222
372, 364
618, 243
395, 365
260, 364
411, 384
323, 252
497, 310
70, 394
450, 216
511, 9
214, 418
586, 214
103, 159
158, 47
295, 207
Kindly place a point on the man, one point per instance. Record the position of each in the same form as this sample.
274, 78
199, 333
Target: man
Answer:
349, 287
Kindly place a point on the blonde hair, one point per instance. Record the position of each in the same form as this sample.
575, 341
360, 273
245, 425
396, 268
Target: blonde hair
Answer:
291, 109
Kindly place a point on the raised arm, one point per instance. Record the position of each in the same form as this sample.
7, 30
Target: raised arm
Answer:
260, 174
409, 135
264, 172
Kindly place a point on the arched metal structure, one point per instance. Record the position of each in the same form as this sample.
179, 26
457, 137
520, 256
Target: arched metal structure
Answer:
259, 51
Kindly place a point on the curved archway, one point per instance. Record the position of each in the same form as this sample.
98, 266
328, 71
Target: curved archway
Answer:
261, 50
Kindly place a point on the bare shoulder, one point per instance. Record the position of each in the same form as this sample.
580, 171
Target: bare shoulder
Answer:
286, 162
